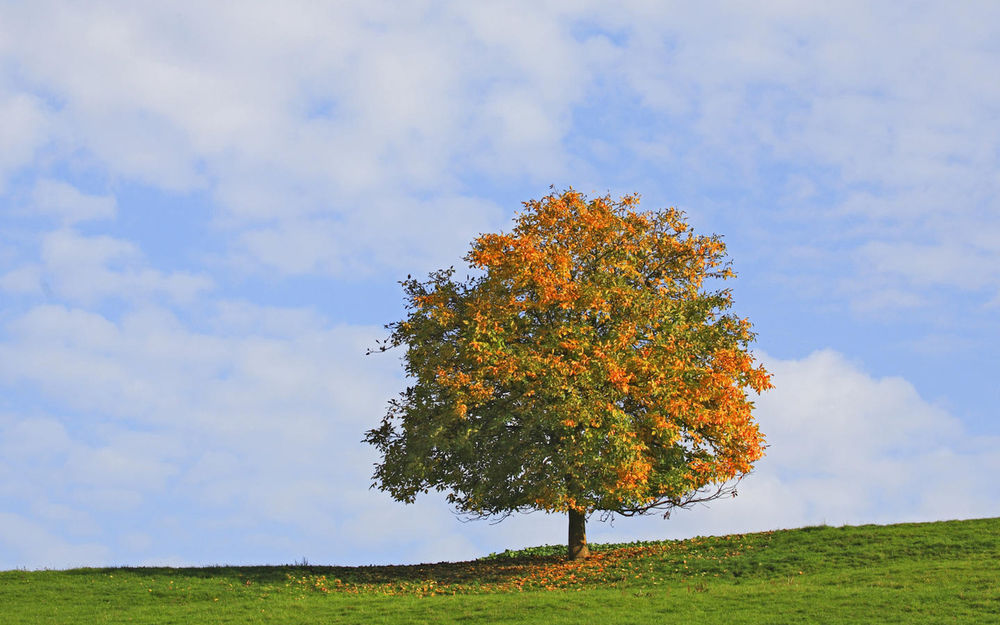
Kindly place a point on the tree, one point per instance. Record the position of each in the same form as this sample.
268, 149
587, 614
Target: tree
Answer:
583, 366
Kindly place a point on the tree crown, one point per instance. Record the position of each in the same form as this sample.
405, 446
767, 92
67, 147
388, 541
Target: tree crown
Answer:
585, 367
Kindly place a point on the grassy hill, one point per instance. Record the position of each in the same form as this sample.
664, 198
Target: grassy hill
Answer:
947, 572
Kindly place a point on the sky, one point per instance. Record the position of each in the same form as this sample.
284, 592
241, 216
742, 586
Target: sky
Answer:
205, 210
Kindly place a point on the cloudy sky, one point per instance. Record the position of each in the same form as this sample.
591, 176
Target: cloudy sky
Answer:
205, 209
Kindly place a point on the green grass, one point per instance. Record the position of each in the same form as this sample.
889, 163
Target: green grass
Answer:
946, 572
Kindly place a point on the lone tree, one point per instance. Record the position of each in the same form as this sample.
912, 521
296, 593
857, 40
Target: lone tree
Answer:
584, 366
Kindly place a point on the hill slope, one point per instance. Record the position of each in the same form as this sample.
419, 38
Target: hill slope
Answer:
946, 572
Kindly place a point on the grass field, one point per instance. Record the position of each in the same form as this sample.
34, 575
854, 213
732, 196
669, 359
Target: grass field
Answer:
946, 572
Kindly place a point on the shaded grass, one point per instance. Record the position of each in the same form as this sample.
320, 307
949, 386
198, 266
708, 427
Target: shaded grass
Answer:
945, 572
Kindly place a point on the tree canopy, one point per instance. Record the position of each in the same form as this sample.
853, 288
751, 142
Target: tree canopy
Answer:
584, 365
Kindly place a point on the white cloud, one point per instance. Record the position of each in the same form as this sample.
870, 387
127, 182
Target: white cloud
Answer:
73, 521
109, 502
33, 439
88, 269
884, 108
240, 318
960, 264
26, 279
296, 119
388, 232
31, 546
23, 130
65, 201
826, 408
123, 464
302, 116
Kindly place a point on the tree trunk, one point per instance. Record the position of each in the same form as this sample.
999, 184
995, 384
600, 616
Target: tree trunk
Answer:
578, 535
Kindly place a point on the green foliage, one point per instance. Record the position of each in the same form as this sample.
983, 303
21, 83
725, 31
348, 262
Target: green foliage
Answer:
910, 573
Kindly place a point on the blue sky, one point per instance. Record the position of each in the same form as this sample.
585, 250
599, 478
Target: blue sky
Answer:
205, 210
